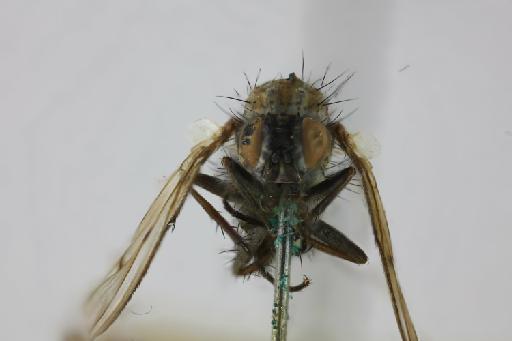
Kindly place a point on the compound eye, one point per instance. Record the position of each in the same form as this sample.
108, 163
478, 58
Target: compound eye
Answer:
316, 142
250, 142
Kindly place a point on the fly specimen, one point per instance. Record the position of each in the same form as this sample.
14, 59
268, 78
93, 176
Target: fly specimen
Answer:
284, 139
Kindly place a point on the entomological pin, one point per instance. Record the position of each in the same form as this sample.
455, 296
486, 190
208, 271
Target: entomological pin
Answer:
284, 139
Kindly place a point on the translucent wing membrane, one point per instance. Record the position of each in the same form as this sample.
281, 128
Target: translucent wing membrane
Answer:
380, 231
108, 300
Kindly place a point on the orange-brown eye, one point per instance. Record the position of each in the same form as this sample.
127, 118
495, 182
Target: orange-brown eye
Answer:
316, 142
249, 145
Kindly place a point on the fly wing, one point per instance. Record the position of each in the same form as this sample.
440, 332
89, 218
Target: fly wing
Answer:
380, 231
108, 300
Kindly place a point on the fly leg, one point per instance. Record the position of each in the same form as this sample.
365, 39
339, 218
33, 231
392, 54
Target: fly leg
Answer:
329, 189
245, 184
293, 288
239, 215
256, 250
258, 246
323, 236
254, 266
216, 186
262, 258
259, 255
219, 219
259, 239
326, 238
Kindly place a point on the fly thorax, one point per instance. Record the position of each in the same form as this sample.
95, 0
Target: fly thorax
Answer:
281, 154
284, 138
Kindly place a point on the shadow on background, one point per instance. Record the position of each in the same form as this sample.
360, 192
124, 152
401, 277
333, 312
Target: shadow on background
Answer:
158, 332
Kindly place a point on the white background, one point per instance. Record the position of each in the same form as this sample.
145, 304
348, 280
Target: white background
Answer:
95, 100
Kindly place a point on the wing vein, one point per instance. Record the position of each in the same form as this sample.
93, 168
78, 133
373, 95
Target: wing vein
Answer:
106, 302
380, 231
